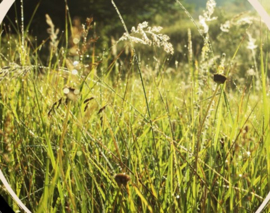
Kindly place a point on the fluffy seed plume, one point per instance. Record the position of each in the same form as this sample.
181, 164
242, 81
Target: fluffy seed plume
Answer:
207, 15
53, 34
149, 36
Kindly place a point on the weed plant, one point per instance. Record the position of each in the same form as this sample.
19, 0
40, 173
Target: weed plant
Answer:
125, 132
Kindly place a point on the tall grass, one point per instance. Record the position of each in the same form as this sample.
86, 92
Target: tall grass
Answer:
139, 142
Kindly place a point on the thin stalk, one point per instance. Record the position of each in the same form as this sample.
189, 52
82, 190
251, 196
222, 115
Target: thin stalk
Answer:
201, 126
196, 25
60, 155
139, 70
23, 54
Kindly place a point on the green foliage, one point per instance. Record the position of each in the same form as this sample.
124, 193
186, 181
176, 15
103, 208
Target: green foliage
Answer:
76, 135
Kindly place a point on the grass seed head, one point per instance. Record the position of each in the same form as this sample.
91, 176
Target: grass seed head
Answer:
88, 99
101, 109
219, 78
121, 179
71, 93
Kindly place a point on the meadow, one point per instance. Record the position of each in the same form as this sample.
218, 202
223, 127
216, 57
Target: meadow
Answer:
132, 128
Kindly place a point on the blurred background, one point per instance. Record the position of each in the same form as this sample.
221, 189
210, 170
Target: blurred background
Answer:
106, 27
165, 13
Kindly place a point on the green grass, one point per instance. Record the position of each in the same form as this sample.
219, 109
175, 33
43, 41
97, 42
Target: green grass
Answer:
209, 153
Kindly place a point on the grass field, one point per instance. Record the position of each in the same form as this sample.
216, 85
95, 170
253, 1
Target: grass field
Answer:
89, 135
